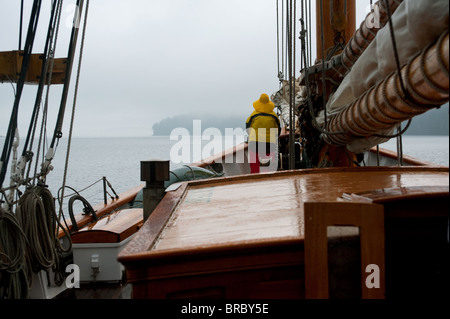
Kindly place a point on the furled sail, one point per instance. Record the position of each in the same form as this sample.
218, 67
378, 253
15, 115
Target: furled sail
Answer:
371, 89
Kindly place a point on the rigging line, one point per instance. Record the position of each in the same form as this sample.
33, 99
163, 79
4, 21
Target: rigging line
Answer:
399, 146
291, 55
110, 186
70, 57
324, 84
282, 38
294, 18
293, 40
309, 44
394, 46
81, 190
288, 40
57, 133
303, 4
398, 134
26, 153
378, 154
32, 26
43, 129
308, 95
405, 93
278, 42
20, 25
74, 103
10, 82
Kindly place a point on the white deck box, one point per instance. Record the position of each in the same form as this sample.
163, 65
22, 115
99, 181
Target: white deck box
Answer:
96, 247
98, 261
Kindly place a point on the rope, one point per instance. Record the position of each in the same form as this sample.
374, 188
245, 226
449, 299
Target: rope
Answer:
45, 108
112, 189
401, 132
324, 85
27, 152
36, 215
79, 191
12, 256
310, 33
32, 26
308, 89
394, 46
20, 25
74, 107
278, 44
283, 57
399, 146
290, 12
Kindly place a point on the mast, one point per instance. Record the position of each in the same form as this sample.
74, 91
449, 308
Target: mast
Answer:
338, 23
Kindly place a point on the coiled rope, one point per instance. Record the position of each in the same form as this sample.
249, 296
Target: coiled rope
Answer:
36, 214
12, 256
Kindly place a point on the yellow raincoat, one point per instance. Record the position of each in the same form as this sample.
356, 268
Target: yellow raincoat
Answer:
260, 122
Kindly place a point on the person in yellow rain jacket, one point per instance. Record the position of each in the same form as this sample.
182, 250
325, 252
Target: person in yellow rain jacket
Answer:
263, 128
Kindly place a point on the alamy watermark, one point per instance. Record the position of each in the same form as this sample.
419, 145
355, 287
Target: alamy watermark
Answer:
191, 148
373, 279
373, 18
73, 277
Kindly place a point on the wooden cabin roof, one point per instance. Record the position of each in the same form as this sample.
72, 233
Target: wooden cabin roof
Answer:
228, 213
112, 228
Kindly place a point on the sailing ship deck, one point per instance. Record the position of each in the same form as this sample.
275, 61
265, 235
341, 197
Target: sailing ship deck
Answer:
253, 225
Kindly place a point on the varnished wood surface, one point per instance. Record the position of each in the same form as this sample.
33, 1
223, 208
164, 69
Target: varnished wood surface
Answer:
247, 209
112, 228
242, 236
11, 64
338, 18
392, 194
370, 220
271, 209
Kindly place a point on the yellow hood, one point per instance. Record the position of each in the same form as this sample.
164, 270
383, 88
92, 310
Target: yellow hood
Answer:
264, 105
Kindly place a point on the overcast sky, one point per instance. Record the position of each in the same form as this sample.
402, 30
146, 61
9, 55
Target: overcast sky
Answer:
145, 60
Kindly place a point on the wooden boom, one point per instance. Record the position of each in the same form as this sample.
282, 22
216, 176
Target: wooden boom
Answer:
384, 106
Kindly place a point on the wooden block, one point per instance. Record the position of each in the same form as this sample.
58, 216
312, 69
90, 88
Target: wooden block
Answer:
11, 65
320, 215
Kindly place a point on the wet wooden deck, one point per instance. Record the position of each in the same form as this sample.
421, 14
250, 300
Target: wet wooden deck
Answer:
270, 207
249, 230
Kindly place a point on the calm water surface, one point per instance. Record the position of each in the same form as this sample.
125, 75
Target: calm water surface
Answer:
118, 159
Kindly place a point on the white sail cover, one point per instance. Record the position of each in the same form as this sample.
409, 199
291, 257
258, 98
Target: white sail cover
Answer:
417, 24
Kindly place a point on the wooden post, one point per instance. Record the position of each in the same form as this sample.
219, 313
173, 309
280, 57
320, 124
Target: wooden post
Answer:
338, 15
154, 173
369, 218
